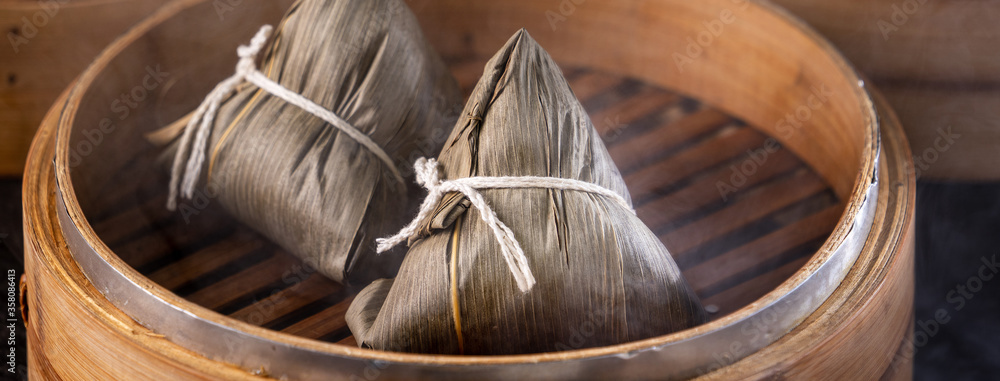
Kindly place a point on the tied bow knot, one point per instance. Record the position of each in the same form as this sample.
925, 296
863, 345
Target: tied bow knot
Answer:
428, 177
198, 128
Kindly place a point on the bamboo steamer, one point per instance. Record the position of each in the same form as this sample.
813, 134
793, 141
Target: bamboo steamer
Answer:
808, 259
46, 44
938, 65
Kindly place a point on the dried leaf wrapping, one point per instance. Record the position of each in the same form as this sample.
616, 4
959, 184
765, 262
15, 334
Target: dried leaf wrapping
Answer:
603, 277
303, 183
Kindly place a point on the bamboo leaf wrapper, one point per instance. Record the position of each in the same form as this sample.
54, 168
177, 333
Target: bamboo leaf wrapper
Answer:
308, 186
599, 269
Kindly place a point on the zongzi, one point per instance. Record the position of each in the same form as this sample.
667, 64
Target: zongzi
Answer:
527, 242
311, 150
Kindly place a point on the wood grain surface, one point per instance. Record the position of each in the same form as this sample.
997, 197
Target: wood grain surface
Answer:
45, 45
937, 63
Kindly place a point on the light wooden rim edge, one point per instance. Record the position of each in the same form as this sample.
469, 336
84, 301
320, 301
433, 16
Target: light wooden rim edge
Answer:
34, 189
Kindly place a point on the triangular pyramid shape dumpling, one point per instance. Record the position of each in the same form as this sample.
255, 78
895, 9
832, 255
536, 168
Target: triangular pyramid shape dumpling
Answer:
308, 186
602, 276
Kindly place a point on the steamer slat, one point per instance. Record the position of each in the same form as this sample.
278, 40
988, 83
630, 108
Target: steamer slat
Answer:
590, 84
752, 289
616, 118
763, 201
661, 177
173, 240
283, 302
206, 260
251, 279
697, 196
322, 324
633, 152
130, 223
721, 268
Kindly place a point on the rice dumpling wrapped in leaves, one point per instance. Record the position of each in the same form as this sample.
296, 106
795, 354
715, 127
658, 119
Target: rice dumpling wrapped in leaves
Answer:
601, 277
304, 182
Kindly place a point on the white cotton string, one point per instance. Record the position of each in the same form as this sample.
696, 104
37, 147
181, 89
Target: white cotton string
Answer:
201, 122
427, 175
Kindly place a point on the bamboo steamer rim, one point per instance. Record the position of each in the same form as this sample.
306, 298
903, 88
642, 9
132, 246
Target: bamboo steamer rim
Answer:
851, 232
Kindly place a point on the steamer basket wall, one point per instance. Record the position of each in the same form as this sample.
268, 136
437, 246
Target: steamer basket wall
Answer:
826, 250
